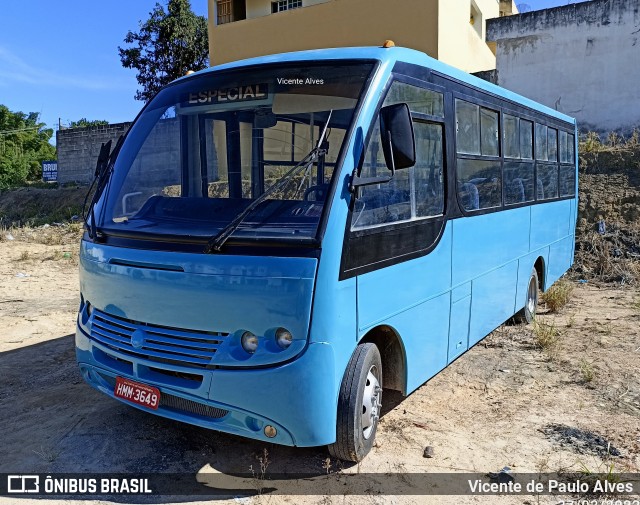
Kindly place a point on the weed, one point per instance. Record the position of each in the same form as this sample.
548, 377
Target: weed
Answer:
546, 336
558, 295
258, 477
587, 371
636, 303
571, 321
24, 256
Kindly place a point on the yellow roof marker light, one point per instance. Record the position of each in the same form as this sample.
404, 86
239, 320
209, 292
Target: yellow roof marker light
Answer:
388, 43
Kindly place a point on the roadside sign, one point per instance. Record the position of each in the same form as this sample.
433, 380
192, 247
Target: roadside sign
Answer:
50, 171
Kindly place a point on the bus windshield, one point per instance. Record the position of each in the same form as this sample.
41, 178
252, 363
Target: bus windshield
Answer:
207, 146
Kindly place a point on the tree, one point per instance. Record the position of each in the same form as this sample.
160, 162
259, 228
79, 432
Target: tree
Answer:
24, 143
168, 44
85, 123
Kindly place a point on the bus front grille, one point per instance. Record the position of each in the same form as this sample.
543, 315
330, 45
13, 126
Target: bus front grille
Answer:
162, 344
178, 403
183, 405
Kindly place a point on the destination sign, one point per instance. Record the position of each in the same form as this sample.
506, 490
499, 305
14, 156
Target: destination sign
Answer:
230, 95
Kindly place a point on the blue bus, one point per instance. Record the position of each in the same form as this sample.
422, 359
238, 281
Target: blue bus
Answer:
277, 239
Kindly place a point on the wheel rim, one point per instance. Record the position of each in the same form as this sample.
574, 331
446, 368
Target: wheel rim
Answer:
371, 402
532, 297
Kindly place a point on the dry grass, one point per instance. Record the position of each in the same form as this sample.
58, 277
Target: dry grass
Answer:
605, 257
558, 295
546, 336
63, 234
587, 372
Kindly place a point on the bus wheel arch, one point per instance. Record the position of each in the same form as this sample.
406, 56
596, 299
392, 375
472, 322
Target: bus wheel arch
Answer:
540, 269
392, 353
535, 283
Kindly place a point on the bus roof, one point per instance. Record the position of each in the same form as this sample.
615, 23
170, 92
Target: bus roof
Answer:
390, 56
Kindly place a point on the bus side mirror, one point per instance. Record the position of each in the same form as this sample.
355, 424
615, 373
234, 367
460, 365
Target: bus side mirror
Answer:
396, 132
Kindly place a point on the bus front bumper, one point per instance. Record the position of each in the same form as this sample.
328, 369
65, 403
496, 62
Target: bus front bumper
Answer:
297, 398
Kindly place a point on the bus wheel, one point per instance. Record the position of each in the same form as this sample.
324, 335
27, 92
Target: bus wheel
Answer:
359, 405
528, 312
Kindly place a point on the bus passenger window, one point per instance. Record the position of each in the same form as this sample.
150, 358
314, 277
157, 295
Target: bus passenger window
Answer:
541, 142
476, 130
552, 144
481, 177
511, 137
566, 147
489, 132
526, 139
567, 168
567, 180
547, 183
467, 128
518, 183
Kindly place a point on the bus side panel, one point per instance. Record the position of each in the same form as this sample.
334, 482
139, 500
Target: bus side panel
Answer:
550, 223
405, 286
413, 298
424, 330
485, 242
560, 258
492, 298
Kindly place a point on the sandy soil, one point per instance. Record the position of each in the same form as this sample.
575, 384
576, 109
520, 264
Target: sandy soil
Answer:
507, 402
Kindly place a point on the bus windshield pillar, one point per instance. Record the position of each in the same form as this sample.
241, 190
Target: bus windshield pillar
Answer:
233, 157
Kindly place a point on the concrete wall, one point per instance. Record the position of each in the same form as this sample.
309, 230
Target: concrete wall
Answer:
460, 43
78, 150
581, 59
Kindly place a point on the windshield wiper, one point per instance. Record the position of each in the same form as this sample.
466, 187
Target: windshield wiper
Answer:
104, 165
216, 242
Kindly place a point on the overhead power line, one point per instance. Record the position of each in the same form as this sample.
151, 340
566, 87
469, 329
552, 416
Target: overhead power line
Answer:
9, 132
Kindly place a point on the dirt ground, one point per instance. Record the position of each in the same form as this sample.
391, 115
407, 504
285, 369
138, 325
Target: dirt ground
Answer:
561, 396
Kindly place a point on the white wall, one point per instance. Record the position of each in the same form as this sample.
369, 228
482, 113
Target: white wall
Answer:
581, 59
459, 43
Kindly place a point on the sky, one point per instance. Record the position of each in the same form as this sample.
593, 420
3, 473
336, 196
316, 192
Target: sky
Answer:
61, 58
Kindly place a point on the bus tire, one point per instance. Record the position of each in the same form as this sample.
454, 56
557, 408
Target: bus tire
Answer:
528, 313
359, 404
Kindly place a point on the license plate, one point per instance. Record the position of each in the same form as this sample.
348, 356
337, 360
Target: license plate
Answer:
137, 393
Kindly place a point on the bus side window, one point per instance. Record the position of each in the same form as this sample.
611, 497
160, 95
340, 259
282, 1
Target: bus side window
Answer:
429, 170
567, 168
415, 192
518, 183
479, 180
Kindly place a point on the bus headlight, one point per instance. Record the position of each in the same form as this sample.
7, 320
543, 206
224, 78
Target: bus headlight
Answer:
249, 342
283, 338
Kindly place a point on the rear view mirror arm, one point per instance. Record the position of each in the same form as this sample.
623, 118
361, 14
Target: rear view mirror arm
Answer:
357, 181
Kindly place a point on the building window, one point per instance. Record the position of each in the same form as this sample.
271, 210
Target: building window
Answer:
475, 19
285, 5
225, 12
